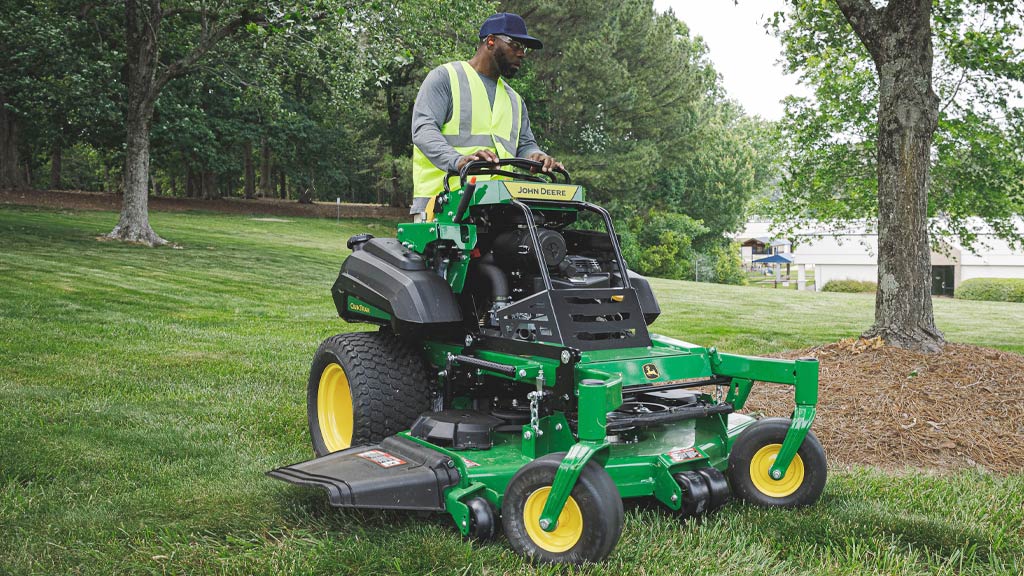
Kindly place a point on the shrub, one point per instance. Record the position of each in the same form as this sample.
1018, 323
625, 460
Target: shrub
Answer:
727, 264
851, 286
992, 289
659, 244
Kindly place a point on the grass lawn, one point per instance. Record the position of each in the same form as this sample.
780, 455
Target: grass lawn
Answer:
144, 392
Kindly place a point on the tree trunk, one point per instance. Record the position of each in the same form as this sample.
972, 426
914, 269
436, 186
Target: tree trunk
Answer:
250, 172
133, 225
190, 183
141, 28
284, 184
142, 48
397, 132
899, 38
11, 174
209, 185
266, 176
307, 194
56, 159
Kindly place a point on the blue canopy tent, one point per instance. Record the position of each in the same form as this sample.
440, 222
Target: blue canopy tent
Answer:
777, 259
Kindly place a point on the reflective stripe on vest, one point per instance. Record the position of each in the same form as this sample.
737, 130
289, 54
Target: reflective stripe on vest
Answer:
474, 126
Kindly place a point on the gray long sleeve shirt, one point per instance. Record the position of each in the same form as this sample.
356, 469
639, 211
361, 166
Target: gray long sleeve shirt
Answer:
433, 109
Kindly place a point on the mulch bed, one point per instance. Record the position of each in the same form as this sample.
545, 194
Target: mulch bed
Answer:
892, 408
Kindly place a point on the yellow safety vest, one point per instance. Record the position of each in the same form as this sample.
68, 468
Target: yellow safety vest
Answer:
474, 125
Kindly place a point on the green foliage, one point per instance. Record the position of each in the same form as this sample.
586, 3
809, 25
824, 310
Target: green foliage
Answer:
829, 139
85, 168
660, 244
624, 95
850, 286
991, 289
60, 76
327, 87
727, 264
628, 99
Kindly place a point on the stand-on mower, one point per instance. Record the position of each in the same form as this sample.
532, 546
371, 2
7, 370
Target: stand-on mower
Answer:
513, 380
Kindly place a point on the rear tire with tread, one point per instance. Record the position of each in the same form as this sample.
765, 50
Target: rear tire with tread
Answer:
388, 384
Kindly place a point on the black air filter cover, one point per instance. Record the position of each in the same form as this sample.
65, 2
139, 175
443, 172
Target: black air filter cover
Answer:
458, 429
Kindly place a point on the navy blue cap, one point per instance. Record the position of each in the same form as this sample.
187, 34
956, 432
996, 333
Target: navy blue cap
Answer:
510, 25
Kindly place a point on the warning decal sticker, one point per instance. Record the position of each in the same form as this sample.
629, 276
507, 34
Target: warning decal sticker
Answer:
470, 463
382, 459
684, 454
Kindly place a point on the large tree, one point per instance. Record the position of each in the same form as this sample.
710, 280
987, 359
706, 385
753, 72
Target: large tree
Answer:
867, 146
899, 39
199, 26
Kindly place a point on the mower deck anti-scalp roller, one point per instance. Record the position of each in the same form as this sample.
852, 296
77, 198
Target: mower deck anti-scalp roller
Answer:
514, 383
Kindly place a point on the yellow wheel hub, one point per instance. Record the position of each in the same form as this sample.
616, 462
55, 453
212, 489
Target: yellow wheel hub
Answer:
570, 523
334, 408
762, 479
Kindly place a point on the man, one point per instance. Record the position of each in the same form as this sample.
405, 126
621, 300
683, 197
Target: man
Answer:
465, 111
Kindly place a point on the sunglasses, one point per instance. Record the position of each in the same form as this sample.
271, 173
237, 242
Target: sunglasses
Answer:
513, 44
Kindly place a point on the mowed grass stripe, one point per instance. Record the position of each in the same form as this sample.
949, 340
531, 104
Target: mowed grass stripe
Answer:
143, 394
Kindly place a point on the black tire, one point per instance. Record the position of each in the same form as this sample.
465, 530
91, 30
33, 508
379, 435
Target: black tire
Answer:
483, 519
388, 385
598, 511
748, 467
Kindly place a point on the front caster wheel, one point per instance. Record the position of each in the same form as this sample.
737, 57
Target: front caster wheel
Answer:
754, 453
590, 523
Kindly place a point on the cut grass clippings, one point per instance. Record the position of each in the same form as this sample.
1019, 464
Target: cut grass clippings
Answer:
145, 392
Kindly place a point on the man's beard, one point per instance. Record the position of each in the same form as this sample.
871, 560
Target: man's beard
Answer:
505, 67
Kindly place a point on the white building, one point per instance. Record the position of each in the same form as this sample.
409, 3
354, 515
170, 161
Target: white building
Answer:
852, 254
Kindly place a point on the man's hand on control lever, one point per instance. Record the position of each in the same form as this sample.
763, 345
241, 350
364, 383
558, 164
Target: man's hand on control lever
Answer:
485, 155
549, 162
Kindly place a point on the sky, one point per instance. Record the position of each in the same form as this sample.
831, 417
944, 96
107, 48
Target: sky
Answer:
741, 49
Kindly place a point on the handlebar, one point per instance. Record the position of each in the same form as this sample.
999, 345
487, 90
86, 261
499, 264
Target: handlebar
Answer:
484, 167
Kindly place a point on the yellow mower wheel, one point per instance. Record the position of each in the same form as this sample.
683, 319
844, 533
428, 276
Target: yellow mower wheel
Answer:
753, 454
763, 481
569, 528
334, 408
588, 527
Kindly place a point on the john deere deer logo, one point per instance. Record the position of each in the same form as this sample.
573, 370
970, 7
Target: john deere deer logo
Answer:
651, 371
